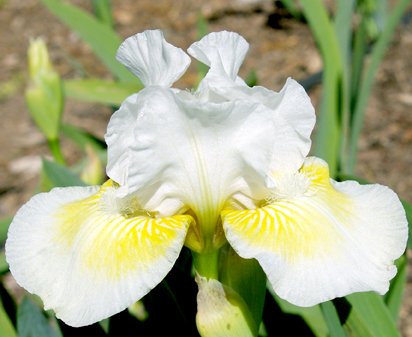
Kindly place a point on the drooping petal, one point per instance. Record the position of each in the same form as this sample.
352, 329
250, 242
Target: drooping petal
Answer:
324, 241
152, 59
89, 255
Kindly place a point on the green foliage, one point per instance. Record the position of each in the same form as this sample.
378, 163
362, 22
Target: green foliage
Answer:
311, 315
57, 175
103, 11
100, 91
327, 138
44, 96
102, 39
6, 326
394, 297
332, 320
4, 226
369, 316
31, 322
408, 211
348, 76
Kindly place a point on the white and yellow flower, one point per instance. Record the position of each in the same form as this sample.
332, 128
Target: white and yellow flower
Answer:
223, 163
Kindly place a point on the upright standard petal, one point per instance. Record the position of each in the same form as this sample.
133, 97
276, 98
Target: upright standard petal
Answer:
317, 239
223, 52
168, 145
89, 255
152, 59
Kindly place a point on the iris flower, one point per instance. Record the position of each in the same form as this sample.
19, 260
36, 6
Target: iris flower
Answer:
222, 164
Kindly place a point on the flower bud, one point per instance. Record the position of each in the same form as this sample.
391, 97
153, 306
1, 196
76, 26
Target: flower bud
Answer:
44, 96
93, 172
221, 312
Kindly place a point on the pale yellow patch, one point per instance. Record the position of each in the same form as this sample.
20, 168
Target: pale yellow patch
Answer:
115, 243
305, 225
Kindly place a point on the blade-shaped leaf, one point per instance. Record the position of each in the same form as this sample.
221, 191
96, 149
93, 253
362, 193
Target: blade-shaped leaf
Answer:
99, 91
57, 175
369, 316
365, 88
332, 320
408, 211
81, 138
311, 315
6, 327
103, 11
393, 298
4, 266
103, 40
4, 226
31, 322
328, 129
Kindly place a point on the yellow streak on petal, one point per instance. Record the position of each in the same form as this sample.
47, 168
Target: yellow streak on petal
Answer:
114, 244
302, 226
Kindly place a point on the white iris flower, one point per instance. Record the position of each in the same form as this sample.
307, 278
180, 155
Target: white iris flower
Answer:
225, 163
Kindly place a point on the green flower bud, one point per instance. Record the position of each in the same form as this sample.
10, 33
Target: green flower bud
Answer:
44, 96
93, 172
221, 312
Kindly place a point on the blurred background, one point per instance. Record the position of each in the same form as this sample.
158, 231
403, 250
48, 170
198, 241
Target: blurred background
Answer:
281, 46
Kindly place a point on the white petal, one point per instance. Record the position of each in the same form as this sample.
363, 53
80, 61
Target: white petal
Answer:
223, 52
332, 240
120, 139
293, 106
176, 146
152, 59
86, 259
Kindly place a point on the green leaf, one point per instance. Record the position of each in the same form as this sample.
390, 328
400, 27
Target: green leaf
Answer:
6, 327
369, 317
393, 298
332, 319
4, 227
343, 31
81, 138
4, 266
57, 175
311, 315
366, 85
103, 11
103, 40
31, 322
100, 91
246, 278
408, 211
327, 142
291, 7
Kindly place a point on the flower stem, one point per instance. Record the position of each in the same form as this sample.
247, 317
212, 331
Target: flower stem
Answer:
54, 147
206, 263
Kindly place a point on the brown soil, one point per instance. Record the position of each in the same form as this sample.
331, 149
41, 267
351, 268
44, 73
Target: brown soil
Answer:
275, 54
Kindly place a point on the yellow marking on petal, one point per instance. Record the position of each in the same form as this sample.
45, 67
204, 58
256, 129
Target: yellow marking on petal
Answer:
302, 226
115, 243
